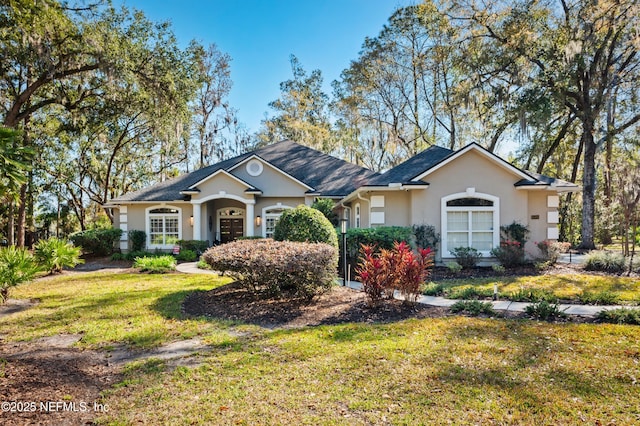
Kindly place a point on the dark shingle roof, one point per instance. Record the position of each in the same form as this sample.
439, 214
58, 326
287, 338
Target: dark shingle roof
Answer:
326, 174
404, 172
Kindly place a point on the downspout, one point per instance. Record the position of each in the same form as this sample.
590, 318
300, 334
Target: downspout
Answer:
360, 197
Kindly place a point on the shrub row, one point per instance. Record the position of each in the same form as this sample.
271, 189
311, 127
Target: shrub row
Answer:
384, 237
278, 268
396, 269
99, 242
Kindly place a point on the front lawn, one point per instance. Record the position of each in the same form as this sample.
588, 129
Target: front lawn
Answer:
447, 370
570, 287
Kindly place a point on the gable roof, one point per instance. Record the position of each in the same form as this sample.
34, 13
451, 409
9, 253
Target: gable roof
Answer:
405, 172
411, 172
326, 175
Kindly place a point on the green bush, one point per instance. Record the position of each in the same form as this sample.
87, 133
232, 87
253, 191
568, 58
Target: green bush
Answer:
277, 268
306, 225
54, 254
533, 295
433, 289
17, 266
510, 253
132, 255
187, 256
198, 246
138, 239
467, 257
454, 267
380, 238
469, 293
472, 307
426, 236
600, 298
99, 242
155, 265
605, 261
326, 205
550, 251
203, 265
514, 232
620, 316
544, 310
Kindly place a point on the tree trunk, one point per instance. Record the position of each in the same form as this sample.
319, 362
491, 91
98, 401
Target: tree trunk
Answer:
11, 234
588, 188
22, 216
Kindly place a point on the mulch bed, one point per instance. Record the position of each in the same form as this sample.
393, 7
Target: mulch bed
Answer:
339, 305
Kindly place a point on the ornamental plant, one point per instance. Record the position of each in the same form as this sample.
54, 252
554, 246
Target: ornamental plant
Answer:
304, 224
17, 266
53, 254
510, 253
277, 268
397, 269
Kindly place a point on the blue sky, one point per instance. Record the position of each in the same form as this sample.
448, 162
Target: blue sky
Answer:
261, 35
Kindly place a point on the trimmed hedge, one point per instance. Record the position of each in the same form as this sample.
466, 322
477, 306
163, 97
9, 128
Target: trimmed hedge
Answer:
198, 246
304, 224
383, 237
277, 268
100, 242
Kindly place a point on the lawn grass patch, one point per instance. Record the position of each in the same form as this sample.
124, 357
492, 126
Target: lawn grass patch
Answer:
546, 287
140, 310
448, 370
454, 370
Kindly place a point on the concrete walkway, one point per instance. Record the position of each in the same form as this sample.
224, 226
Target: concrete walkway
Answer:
502, 305
192, 268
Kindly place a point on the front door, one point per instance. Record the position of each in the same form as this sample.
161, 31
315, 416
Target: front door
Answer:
231, 228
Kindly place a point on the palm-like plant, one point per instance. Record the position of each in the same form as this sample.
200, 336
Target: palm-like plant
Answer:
54, 254
17, 266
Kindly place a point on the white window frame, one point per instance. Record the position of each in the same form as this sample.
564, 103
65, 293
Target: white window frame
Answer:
495, 209
357, 212
149, 215
272, 212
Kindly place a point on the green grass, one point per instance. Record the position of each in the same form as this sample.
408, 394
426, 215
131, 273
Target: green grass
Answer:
565, 287
450, 370
137, 309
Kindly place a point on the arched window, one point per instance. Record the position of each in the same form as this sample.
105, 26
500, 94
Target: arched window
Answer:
164, 227
271, 215
470, 219
357, 215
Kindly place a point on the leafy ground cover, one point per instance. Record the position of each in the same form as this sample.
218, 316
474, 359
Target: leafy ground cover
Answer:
567, 287
439, 369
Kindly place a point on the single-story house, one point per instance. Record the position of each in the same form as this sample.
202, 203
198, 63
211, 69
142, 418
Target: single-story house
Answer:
466, 194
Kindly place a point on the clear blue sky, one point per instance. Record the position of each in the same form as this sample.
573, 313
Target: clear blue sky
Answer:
261, 35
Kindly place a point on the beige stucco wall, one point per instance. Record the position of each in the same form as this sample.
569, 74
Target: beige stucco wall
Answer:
471, 170
136, 218
271, 182
221, 182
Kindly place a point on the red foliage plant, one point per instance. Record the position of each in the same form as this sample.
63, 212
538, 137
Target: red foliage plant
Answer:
398, 269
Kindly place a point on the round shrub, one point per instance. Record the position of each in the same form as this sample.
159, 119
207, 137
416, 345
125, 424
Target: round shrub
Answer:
277, 268
306, 225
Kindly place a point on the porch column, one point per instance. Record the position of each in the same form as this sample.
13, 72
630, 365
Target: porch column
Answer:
250, 219
197, 228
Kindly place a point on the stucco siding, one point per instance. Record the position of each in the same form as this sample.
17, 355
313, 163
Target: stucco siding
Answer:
218, 184
272, 182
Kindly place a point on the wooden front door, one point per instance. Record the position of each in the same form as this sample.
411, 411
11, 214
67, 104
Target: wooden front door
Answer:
231, 228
